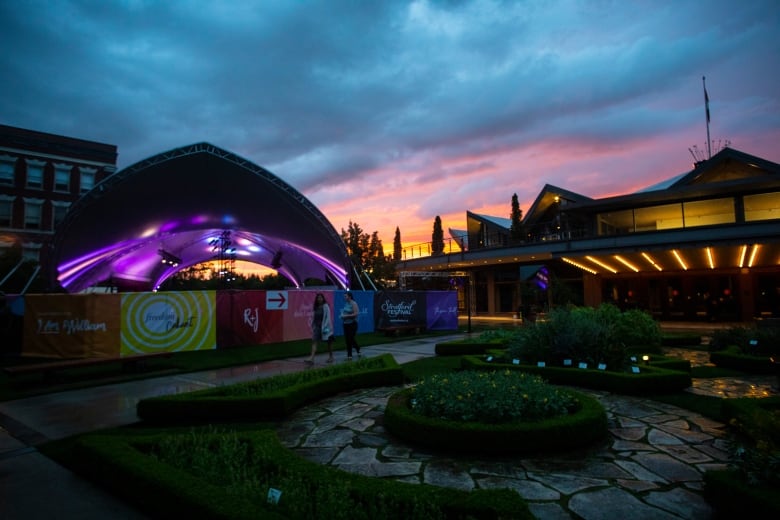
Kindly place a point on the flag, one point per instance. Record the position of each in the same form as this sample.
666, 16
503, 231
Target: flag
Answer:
706, 103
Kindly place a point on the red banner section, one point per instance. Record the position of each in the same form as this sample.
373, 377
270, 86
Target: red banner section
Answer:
242, 319
71, 326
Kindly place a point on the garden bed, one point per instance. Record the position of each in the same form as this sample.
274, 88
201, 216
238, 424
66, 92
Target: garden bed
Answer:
649, 380
587, 425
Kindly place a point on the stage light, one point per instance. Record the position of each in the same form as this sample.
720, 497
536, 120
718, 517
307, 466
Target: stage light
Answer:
169, 258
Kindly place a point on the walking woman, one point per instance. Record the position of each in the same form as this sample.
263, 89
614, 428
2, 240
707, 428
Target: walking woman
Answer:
349, 316
321, 327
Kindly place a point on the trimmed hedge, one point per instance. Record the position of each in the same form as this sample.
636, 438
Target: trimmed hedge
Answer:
123, 464
216, 405
582, 428
732, 357
650, 380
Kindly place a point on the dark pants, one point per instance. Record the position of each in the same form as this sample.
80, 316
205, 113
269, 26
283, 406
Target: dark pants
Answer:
350, 329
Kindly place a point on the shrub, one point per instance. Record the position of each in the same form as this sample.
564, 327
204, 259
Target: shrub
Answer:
595, 336
489, 397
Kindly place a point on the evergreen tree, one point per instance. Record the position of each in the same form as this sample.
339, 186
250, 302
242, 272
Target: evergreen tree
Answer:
437, 240
516, 231
397, 249
357, 244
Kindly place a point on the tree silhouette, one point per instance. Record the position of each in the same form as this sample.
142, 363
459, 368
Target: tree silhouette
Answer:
397, 249
437, 239
516, 231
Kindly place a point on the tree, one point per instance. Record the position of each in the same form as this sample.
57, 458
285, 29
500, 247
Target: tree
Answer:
367, 254
357, 244
516, 231
437, 239
397, 249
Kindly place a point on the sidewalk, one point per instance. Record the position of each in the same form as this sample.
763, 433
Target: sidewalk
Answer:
33, 487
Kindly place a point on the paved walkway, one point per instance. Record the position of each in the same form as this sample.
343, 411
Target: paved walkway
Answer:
651, 466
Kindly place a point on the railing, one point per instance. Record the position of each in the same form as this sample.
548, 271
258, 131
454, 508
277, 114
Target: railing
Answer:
494, 241
425, 249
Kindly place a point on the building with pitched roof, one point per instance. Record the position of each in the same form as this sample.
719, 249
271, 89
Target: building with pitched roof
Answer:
704, 245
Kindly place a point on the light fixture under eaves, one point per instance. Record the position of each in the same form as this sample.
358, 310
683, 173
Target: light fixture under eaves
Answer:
576, 264
680, 260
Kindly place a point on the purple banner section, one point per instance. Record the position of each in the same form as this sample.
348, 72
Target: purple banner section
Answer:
442, 310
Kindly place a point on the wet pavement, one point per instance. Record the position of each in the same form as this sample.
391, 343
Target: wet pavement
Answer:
651, 466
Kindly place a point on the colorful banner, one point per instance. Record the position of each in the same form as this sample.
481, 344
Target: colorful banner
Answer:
109, 325
442, 310
71, 326
168, 322
401, 308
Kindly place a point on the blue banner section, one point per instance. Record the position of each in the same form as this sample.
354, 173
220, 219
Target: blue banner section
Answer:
365, 301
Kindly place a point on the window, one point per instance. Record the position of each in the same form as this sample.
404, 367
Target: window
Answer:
87, 178
709, 212
32, 213
763, 206
657, 218
62, 177
7, 164
6, 210
616, 223
35, 174
59, 209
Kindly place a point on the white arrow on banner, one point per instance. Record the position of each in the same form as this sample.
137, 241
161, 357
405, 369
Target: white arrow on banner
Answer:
276, 300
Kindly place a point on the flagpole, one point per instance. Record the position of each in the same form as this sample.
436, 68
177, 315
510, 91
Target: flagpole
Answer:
707, 114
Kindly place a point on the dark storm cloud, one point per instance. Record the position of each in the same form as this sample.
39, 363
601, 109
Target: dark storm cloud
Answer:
340, 98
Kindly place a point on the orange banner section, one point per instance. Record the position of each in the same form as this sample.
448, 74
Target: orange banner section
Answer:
168, 322
71, 326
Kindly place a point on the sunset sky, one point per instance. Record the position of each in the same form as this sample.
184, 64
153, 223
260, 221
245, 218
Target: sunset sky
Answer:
390, 113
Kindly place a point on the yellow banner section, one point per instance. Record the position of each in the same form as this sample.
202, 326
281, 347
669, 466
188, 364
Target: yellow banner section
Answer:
168, 322
71, 326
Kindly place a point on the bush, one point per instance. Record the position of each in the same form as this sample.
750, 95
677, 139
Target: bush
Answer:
595, 336
489, 397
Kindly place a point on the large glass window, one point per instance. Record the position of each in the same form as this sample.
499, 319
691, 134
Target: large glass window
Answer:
616, 223
32, 213
709, 212
35, 174
763, 206
62, 177
7, 164
657, 218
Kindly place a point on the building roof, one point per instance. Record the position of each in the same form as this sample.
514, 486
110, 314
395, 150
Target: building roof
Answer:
178, 204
